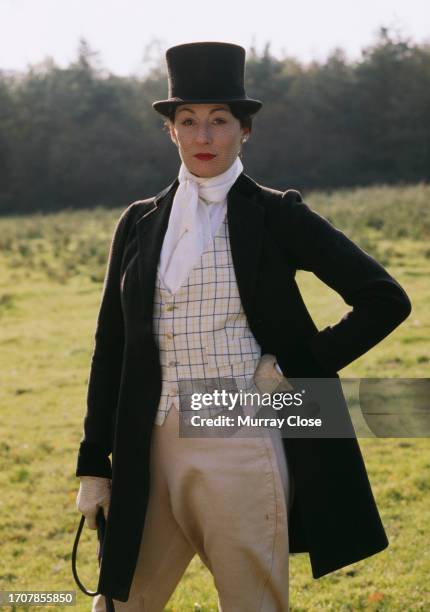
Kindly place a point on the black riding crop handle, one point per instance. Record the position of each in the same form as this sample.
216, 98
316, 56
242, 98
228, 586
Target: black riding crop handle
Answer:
101, 523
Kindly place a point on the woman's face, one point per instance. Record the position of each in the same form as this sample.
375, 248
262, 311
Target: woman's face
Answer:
206, 129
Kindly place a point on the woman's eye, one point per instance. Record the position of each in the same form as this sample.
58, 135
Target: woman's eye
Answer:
217, 121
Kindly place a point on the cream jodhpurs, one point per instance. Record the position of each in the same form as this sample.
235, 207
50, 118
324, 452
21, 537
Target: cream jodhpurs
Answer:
224, 499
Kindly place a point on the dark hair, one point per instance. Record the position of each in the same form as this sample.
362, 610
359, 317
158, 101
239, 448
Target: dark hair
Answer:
245, 118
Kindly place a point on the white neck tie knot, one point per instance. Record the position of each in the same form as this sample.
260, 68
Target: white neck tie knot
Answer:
189, 230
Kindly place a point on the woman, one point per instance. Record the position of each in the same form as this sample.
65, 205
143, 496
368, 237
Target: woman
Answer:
200, 284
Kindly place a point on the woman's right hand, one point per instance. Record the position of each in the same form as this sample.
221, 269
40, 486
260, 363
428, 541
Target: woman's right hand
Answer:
94, 493
268, 377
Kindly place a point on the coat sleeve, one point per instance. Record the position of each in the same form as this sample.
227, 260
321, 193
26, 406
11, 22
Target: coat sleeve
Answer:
106, 364
379, 303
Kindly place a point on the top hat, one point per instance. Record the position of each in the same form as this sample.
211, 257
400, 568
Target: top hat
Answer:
206, 72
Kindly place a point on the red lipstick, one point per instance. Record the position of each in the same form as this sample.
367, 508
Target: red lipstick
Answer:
205, 156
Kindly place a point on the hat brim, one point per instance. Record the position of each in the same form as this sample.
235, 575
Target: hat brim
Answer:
248, 104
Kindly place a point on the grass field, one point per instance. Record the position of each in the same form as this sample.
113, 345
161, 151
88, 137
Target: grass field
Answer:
51, 269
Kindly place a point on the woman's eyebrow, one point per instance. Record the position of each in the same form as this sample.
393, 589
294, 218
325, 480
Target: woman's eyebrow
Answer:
211, 111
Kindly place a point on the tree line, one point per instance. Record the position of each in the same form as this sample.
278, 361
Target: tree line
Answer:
79, 137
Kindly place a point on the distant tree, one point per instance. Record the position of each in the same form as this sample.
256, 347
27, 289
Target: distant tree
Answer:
392, 129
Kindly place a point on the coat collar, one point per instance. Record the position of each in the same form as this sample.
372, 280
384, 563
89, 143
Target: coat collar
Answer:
245, 218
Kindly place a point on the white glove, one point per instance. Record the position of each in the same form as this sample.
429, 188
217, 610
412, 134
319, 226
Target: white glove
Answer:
94, 493
268, 376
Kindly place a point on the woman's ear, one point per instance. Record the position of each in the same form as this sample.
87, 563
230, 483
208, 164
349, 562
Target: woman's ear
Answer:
246, 132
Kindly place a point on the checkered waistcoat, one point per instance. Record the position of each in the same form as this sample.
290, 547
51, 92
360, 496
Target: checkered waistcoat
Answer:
202, 330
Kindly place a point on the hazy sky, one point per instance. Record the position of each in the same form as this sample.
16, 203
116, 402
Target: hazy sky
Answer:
121, 30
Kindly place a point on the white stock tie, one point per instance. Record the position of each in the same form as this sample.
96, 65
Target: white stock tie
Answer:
192, 222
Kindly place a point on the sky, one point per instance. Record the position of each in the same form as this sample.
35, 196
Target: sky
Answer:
131, 35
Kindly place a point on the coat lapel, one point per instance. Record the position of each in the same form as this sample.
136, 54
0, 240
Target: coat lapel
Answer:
245, 217
151, 227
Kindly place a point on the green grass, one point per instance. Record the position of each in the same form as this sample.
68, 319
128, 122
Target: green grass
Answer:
51, 270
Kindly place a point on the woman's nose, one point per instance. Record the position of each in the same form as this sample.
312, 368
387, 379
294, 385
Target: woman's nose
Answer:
203, 134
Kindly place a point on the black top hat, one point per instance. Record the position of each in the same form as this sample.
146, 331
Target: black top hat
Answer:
206, 72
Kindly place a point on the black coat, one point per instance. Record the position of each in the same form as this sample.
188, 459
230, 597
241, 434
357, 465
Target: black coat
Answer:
272, 234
